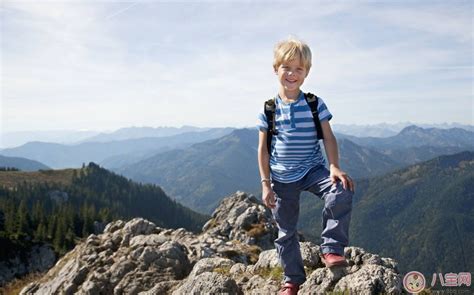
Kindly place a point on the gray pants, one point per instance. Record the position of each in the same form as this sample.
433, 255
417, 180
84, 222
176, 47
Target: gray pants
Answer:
336, 219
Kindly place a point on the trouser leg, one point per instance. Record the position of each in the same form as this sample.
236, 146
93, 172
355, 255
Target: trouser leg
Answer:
336, 212
286, 215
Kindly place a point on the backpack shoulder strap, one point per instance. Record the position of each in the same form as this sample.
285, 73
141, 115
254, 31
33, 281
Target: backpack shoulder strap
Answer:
269, 109
312, 101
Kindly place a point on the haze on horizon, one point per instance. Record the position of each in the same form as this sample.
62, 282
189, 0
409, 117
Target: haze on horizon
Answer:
108, 65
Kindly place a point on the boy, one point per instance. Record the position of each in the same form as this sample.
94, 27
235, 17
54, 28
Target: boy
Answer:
295, 164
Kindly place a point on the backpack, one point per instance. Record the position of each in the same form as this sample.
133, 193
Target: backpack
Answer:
270, 106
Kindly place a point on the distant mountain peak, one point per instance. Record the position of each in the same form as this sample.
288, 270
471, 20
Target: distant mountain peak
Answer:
412, 129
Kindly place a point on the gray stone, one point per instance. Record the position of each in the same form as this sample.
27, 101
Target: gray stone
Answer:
161, 288
322, 280
238, 268
267, 259
114, 226
371, 279
139, 226
209, 283
257, 285
210, 264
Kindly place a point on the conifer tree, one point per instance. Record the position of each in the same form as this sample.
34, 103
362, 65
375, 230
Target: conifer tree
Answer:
37, 214
60, 236
10, 217
24, 220
51, 226
41, 233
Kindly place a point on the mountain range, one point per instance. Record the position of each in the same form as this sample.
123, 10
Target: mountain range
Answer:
198, 176
141, 132
414, 136
22, 164
390, 129
201, 174
18, 138
112, 153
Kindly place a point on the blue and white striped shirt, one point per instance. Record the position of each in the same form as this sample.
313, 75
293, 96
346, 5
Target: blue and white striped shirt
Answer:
295, 149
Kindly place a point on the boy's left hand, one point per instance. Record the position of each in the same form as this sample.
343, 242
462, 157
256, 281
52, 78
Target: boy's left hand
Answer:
337, 174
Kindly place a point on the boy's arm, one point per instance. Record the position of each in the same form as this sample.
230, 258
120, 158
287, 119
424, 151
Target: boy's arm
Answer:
268, 195
332, 153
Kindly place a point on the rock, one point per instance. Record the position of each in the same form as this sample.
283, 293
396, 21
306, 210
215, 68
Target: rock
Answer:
161, 288
114, 226
242, 217
267, 259
371, 279
257, 285
209, 283
139, 226
237, 269
210, 264
322, 280
102, 264
366, 274
309, 253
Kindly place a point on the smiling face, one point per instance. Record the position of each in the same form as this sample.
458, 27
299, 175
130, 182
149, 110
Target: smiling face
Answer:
291, 75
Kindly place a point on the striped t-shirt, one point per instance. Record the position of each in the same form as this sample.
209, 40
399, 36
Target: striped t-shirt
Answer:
295, 149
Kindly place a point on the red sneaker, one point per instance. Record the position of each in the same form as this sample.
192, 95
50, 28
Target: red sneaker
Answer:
289, 289
332, 259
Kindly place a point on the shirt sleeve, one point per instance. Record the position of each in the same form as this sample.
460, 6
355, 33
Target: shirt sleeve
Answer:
262, 124
323, 111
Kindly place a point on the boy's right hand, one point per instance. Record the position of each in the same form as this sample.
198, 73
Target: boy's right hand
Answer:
268, 196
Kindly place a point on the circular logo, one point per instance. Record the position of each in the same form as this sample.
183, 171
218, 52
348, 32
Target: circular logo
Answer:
414, 282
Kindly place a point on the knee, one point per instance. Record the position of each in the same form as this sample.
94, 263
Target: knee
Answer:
341, 197
345, 198
285, 236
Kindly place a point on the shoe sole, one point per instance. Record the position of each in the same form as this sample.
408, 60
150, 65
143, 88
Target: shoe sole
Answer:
329, 265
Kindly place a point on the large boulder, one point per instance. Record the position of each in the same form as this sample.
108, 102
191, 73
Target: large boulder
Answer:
242, 217
127, 258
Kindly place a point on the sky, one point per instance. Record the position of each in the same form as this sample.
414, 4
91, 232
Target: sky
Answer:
105, 65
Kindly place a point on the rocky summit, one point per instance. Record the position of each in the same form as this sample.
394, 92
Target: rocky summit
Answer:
233, 255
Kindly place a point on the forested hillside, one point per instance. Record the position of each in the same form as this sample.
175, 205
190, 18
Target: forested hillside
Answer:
61, 206
422, 216
201, 175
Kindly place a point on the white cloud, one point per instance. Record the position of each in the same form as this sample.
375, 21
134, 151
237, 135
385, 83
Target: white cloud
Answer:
149, 63
448, 20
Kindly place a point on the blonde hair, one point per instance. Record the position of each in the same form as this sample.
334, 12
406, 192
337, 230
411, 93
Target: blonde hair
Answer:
290, 49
